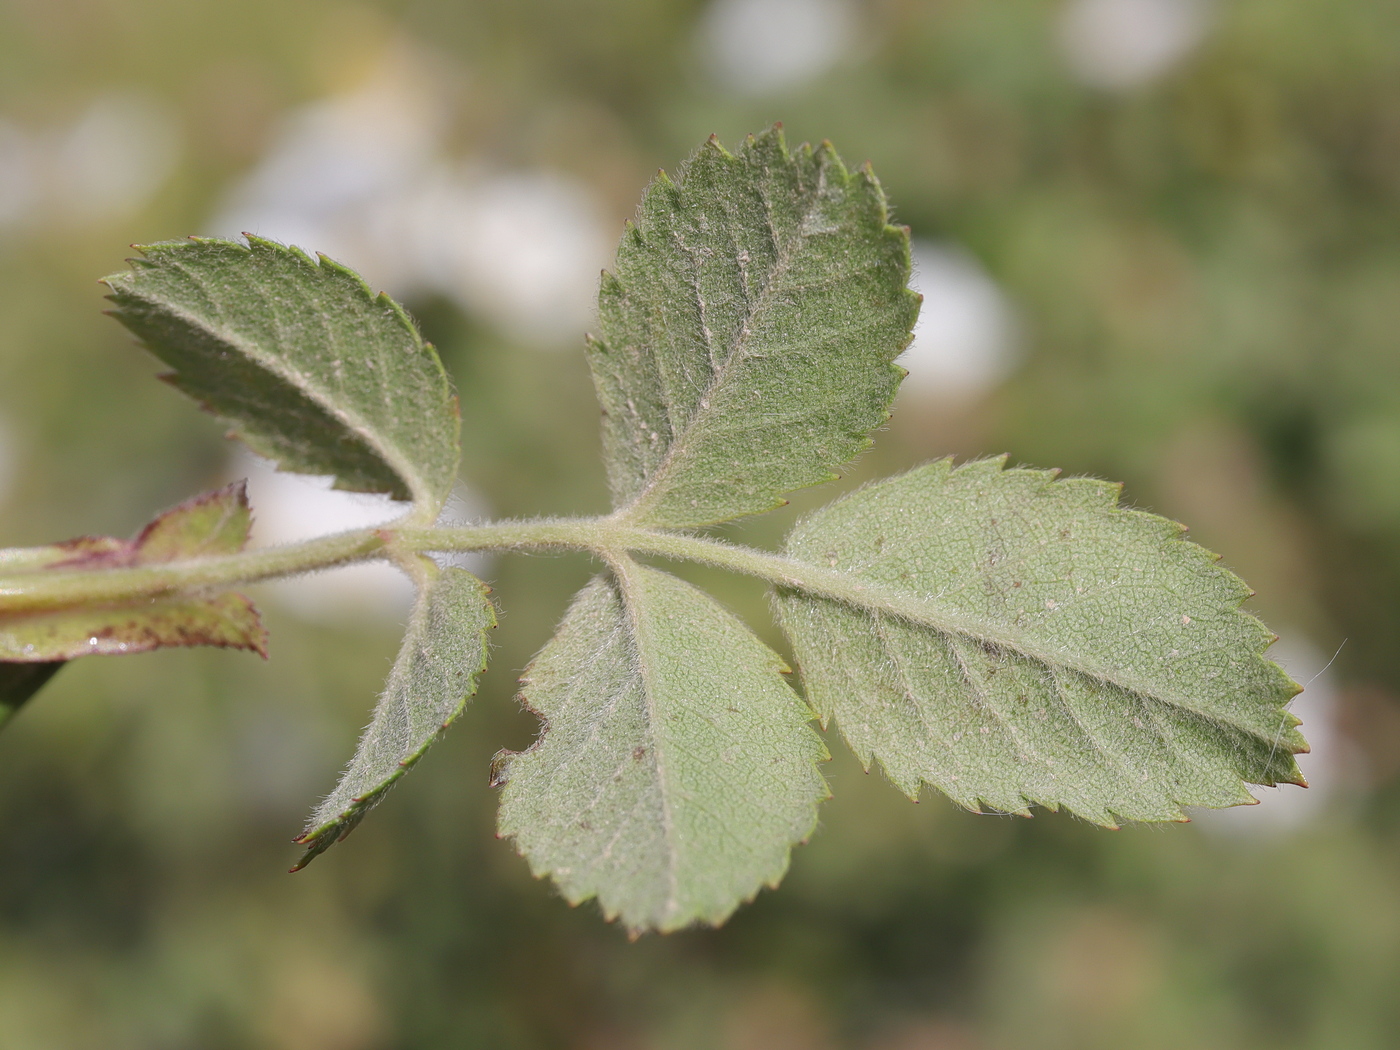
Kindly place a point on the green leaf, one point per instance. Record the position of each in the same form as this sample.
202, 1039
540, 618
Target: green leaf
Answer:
19, 682
675, 766
1020, 640
212, 524
310, 367
228, 621
748, 336
434, 676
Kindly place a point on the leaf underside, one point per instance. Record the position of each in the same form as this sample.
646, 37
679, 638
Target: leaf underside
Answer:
311, 368
209, 525
434, 676
228, 621
747, 337
1025, 641
1007, 637
675, 766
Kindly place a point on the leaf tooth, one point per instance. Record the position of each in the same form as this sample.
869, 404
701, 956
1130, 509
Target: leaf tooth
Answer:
1262, 686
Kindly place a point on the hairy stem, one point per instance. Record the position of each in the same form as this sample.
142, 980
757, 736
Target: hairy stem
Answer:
22, 592
66, 588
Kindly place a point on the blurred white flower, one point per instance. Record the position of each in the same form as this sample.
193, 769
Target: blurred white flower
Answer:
19, 174
363, 178
114, 159
521, 248
105, 165
758, 47
334, 163
464, 507
291, 507
1121, 44
966, 339
1326, 768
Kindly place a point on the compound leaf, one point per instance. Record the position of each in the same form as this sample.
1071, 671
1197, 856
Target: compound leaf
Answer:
434, 676
1018, 640
310, 367
212, 524
748, 335
675, 766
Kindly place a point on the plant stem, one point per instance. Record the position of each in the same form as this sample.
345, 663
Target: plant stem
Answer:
22, 592
603, 536
66, 588
33, 590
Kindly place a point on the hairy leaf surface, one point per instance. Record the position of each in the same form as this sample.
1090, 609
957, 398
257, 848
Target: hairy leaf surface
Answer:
434, 676
748, 335
1021, 640
209, 525
311, 368
675, 768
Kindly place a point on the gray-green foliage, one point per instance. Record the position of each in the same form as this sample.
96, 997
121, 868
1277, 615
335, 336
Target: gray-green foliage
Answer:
1028, 641
311, 368
748, 333
678, 766
443, 652
1009, 638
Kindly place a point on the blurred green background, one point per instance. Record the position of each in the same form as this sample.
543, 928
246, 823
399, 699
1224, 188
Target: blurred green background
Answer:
1159, 242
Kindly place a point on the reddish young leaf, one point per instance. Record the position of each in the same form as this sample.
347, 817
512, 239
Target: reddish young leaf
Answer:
208, 525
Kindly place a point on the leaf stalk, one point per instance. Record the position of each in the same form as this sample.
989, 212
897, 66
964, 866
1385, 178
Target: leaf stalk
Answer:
605, 538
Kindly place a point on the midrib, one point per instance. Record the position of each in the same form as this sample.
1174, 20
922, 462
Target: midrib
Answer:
655, 486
